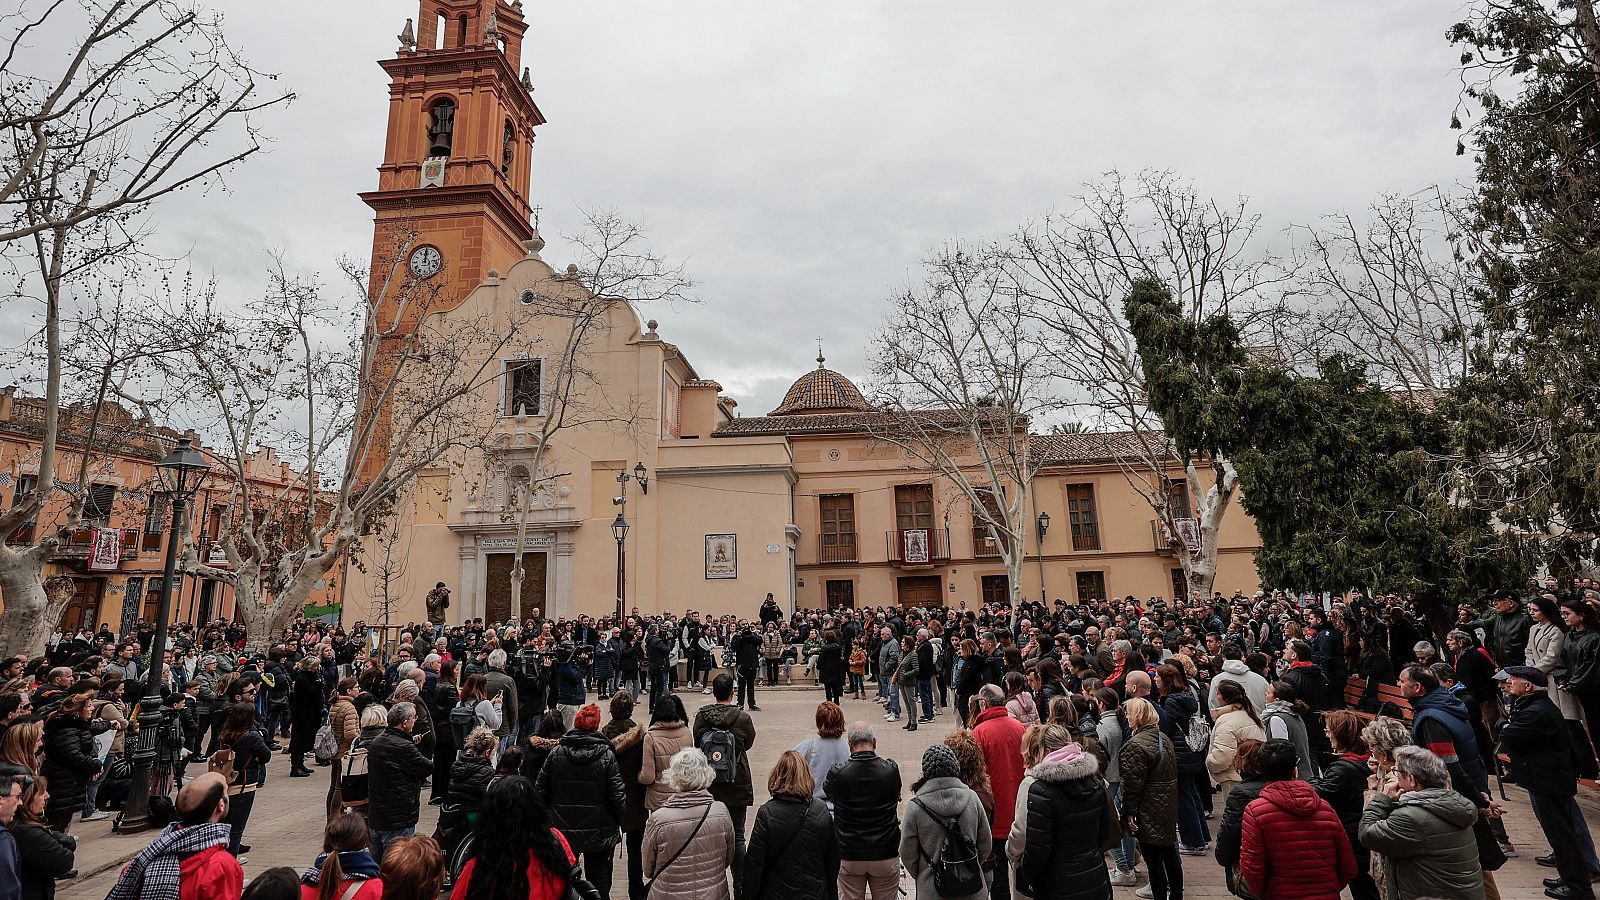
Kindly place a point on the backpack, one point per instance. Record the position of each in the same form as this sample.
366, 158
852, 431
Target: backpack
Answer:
463, 718
1199, 734
353, 786
722, 751
325, 746
957, 870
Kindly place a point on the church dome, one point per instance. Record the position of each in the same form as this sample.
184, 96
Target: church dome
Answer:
822, 390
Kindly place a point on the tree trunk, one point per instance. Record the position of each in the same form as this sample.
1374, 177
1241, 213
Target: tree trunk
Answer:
1200, 569
25, 625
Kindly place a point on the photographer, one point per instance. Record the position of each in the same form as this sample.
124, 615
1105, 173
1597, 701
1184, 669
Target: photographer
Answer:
747, 658
658, 654
571, 674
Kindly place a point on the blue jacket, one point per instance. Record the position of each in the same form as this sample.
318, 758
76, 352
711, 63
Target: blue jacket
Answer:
569, 685
10, 880
1444, 709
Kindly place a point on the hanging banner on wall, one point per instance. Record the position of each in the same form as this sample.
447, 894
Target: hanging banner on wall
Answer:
915, 546
105, 550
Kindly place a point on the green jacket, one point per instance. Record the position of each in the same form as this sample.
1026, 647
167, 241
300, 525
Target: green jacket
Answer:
1427, 843
907, 672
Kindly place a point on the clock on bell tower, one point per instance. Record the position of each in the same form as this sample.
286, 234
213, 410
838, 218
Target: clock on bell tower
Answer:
452, 198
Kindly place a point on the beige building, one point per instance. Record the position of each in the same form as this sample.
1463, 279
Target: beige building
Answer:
721, 509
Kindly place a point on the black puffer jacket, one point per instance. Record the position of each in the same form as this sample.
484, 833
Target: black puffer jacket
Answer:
69, 763
469, 779
1231, 831
1343, 784
830, 663
582, 786
792, 853
1070, 827
42, 857
1177, 710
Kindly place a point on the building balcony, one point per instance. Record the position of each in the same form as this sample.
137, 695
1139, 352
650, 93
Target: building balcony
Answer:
915, 547
984, 545
79, 544
836, 548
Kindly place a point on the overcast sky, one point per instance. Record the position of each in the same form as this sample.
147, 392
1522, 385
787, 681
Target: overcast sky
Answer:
804, 157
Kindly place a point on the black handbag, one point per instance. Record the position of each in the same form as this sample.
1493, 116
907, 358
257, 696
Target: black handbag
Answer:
579, 888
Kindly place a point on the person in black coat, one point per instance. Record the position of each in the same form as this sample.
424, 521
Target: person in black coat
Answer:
445, 697
70, 761
830, 667
42, 855
627, 740
582, 786
1541, 760
1069, 825
1230, 831
307, 696
793, 853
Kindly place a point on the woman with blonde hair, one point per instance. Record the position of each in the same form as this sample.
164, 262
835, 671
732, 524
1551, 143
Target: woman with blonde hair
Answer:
1064, 823
793, 834
1148, 764
688, 841
22, 744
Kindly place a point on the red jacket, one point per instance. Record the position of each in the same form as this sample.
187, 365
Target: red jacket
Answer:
1305, 835
1000, 738
542, 885
371, 889
211, 873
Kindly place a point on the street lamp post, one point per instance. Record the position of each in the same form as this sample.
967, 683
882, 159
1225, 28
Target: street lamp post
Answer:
619, 530
1043, 524
180, 473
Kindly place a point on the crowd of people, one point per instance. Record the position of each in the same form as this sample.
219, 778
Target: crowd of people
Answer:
1097, 745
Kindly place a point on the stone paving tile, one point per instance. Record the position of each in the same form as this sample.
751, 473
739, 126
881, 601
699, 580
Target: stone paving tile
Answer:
285, 827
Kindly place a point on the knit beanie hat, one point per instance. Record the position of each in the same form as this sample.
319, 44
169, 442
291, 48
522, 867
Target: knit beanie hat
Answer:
939, 761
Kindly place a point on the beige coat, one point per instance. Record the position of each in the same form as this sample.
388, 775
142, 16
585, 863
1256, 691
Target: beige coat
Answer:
660, 742
1232, 726
114, 711
700, 872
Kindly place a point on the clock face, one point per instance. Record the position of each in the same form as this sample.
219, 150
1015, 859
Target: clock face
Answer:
426, 261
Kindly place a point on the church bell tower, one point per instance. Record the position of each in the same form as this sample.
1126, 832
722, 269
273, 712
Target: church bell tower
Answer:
457, 159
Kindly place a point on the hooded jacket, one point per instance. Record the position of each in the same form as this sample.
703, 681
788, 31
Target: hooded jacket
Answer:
661, 741
469, 780
999, 736
1255, 687
700, 871
793, 854
1283, 722
582, 787
1427, 843
923, 836
1289, 837
739, 791
1065, 822
1442, 725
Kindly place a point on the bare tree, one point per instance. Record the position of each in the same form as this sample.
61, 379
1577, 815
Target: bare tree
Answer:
105, 107
1390, 290
961, 373
1074, 271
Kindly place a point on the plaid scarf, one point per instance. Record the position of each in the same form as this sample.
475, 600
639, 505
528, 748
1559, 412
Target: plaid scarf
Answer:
153, 873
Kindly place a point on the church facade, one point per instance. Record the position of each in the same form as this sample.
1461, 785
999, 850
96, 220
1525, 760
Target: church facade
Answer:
600, 422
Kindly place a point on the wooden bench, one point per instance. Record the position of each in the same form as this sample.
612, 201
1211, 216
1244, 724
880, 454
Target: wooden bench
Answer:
1356, 687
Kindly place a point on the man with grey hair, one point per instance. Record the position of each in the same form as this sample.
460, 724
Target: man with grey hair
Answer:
1424, 830
395, 770
422, 734
865, 792
498, 682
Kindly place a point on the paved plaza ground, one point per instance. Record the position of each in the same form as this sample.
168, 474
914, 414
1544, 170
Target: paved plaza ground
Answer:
285, 828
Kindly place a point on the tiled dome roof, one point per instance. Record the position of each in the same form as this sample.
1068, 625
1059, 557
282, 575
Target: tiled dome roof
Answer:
822, 390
